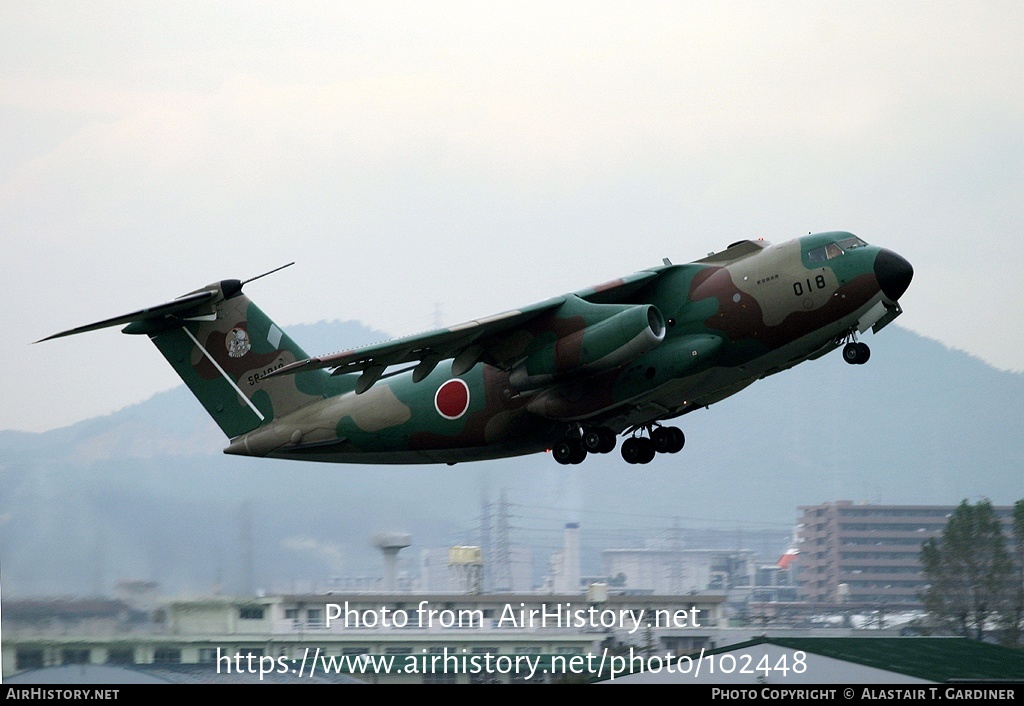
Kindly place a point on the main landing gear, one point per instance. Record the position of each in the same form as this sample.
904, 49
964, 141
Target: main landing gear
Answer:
663, 440
578, 443
601, 440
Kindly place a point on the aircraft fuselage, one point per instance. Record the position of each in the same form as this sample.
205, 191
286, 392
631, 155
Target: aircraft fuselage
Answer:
727, 320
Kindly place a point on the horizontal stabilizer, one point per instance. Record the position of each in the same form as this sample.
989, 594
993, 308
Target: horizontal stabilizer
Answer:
177, 306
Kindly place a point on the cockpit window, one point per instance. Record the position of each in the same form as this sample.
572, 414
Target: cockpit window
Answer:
825, 252
852, 243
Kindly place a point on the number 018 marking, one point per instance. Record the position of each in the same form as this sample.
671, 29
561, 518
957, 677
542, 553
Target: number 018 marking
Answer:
798, 287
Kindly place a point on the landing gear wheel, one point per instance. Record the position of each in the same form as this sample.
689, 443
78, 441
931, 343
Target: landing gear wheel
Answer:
579, 455
662, 439
647, 450
569, 451
608, 443
668, 440
592, 440
631, 450
562, 452
678, 440
637, 450
599, 440
856, 353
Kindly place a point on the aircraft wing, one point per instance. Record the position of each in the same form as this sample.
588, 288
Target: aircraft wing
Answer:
467, 343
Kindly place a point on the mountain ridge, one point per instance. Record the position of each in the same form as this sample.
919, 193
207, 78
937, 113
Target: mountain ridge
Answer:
145, 492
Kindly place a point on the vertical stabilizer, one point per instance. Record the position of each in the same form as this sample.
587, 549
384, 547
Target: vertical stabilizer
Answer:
224, 355
222, 345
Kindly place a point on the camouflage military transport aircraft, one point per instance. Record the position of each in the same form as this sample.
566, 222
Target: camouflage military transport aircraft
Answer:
568, 375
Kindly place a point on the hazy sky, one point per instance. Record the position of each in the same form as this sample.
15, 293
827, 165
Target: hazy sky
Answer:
480, 157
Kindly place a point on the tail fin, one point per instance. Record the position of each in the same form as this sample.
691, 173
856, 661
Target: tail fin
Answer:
222, 345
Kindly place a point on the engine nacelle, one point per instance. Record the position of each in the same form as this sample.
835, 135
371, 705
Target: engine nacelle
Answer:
627, 332
575, 400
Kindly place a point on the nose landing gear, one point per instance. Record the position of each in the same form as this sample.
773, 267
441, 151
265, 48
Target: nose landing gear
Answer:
855, 353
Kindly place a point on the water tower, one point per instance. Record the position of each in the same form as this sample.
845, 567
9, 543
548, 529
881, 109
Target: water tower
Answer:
466, 565
389, 544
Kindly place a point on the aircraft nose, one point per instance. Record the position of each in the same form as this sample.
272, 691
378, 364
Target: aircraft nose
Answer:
893, 273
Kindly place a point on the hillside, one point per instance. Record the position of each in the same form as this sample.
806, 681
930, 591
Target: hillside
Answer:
146, 492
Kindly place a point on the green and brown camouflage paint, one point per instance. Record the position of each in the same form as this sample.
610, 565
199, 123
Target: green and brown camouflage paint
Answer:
650, 346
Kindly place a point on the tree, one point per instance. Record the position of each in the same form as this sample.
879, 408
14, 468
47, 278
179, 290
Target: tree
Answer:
1014, 618
969, 570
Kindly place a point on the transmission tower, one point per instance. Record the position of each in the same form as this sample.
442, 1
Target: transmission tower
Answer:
487, 579
245, 542
675, 577
502, 551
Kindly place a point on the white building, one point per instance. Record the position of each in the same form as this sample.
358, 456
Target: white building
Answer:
287, 631
668, 571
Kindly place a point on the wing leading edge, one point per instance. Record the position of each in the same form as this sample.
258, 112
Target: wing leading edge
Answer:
467, 344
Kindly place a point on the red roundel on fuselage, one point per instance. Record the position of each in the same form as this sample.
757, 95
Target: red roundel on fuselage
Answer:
452, 399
